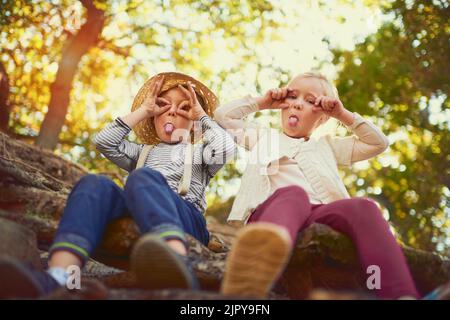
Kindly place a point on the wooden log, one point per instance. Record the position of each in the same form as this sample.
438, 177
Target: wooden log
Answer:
34, 197
18, 242
41, 159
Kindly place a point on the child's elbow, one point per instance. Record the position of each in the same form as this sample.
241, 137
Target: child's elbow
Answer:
219, 116
379, 147
384, 144
98, 142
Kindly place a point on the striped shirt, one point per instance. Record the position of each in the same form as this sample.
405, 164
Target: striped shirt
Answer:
216, 149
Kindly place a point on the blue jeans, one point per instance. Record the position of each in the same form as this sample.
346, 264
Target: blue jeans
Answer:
96, 200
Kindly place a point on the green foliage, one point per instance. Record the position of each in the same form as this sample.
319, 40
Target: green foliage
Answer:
220, 209
399, 76
178, 33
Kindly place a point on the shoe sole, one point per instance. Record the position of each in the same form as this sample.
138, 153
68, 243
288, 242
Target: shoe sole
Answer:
16, 283
156, 265
256, 260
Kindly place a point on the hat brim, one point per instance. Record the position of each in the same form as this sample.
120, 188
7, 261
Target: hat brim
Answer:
145, 130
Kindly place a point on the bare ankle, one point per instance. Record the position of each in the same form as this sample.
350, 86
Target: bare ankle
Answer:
64, 259
178, 246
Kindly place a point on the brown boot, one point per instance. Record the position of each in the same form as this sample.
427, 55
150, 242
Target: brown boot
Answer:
256, 260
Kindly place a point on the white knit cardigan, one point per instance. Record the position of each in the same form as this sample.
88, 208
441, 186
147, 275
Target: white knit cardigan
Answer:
318, 158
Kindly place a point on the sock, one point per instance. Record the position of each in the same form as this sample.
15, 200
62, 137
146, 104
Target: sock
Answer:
59, 274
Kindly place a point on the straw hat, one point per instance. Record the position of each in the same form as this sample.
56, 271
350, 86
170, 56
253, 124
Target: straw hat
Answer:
145, 130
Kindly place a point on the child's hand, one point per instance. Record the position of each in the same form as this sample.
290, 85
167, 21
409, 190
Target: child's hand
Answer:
274, 99
190, 108
152, 104
332, 107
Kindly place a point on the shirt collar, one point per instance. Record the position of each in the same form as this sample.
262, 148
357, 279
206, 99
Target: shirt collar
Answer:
292, 141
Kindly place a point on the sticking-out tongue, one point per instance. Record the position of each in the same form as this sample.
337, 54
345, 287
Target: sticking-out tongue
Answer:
293, 121
168, 128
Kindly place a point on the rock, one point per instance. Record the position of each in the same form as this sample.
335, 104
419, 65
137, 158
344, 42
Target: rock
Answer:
208, 265
92, 269
19, 242
325, 258
36, 160
91, 289
43, 228
104, 274
429, 269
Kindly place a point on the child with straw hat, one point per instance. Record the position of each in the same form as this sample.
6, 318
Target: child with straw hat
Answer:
164, 193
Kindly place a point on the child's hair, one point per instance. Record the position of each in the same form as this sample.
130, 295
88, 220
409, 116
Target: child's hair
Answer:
328, 87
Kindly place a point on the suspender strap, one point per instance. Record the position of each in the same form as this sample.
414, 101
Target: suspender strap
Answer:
143, 155
185, 182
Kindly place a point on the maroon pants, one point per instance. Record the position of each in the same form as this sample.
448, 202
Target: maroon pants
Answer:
358, 218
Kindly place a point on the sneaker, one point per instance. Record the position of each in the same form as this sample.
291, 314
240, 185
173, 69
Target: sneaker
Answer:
20, 280
189, 263
157, 266
256, 260
440, 293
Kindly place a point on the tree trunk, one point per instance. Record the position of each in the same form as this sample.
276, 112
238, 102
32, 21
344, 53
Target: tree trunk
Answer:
4, 96
76, 47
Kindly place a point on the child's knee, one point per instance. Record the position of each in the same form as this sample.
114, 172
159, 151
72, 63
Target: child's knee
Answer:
143, 175
94, 181
365, 211
366, 205
295, 193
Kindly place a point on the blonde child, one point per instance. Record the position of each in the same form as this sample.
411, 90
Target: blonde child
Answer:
292, 181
